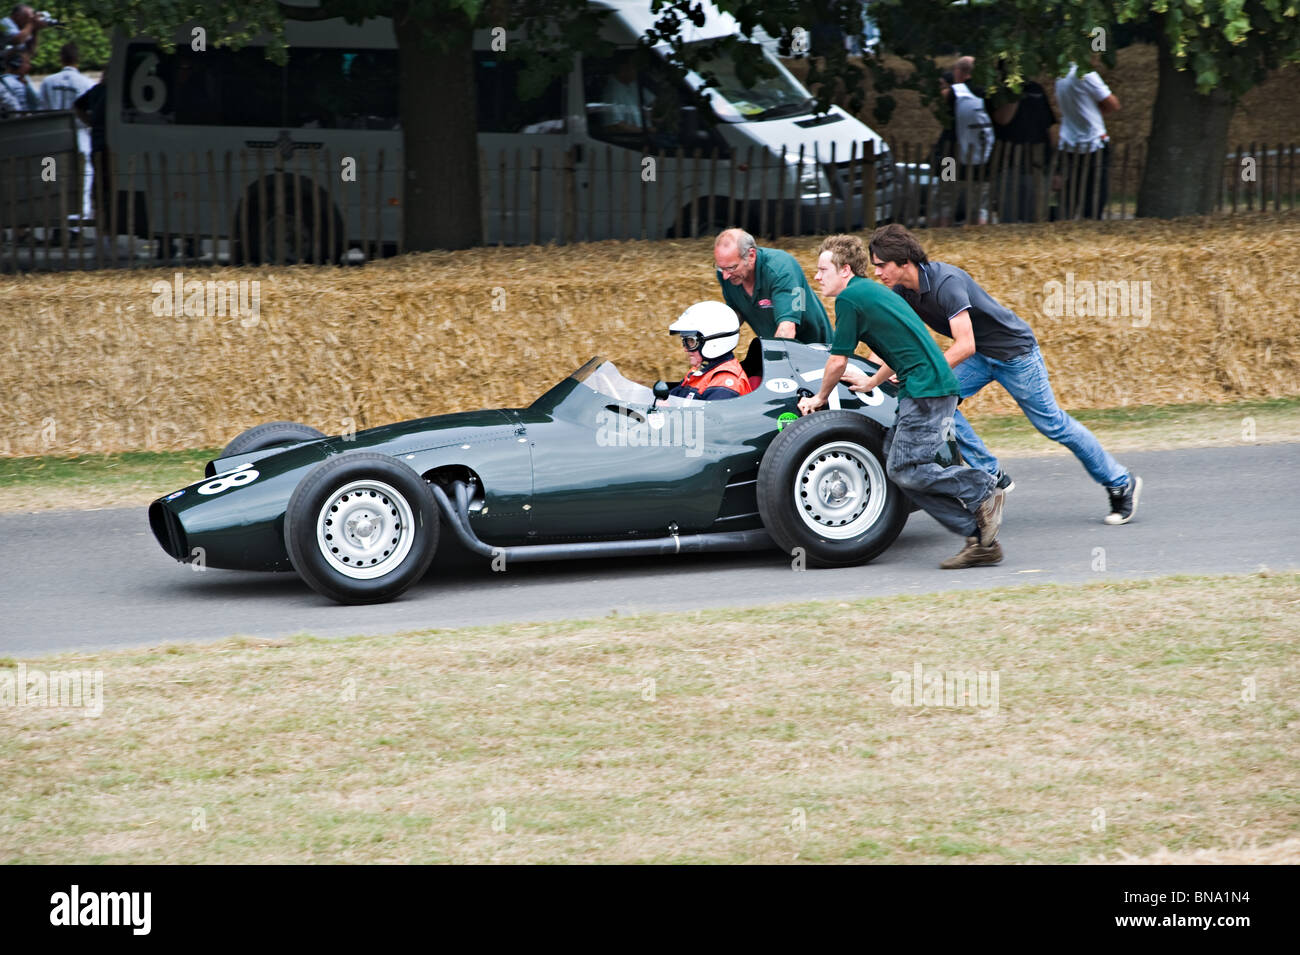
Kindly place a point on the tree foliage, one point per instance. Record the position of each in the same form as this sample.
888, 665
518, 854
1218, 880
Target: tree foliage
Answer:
77, 25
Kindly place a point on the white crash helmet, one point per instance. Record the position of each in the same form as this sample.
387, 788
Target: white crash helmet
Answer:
714, 322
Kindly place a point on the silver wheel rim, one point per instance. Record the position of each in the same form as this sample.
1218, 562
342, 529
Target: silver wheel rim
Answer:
839, 490
365, 529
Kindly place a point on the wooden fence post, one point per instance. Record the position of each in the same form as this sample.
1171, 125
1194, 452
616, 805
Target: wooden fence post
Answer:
333, 243
869, 185
535, 198
316, 249
379, 205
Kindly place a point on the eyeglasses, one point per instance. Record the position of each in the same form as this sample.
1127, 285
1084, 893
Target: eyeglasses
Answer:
729, 270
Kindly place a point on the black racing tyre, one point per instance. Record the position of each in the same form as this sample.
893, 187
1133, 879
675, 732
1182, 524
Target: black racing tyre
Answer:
361, 527
822, 487
270, 435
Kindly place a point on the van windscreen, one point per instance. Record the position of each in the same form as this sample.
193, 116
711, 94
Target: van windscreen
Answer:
769, 98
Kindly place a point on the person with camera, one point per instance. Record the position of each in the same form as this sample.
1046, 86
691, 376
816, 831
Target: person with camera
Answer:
22, 28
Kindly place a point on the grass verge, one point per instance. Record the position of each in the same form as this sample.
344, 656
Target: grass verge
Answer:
1130, 719
135, 479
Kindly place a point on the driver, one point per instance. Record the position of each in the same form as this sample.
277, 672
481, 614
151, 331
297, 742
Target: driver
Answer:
710, 331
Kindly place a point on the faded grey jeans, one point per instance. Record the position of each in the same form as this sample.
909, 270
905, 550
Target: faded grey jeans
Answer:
951, 495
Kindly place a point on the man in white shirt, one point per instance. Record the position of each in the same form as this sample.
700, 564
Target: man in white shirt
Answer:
60, 91
623, 99
1084, 102
974, 146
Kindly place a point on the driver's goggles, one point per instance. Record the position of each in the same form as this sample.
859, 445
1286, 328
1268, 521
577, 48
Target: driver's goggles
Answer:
693, 342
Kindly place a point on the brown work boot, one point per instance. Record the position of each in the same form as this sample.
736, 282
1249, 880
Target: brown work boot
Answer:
989, 517
974, 554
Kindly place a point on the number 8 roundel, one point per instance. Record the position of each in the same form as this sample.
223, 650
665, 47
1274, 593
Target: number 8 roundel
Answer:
244, 474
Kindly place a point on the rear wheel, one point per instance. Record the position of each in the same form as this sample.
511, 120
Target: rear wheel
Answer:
361, 527
297, 238
270, 435
822, 487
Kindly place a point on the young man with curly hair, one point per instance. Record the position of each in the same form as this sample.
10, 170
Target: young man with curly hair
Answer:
963, 499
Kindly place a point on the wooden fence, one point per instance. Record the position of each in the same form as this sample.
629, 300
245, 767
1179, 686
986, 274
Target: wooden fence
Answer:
278, 206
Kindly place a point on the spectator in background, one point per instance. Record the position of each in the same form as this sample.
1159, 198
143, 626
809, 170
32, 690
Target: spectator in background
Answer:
17, 65
968, 142
962, 71
624, 99
8, 105
1084, 102
61, 91
21, 29
1027, 122
946, 145
91, 109
974, 132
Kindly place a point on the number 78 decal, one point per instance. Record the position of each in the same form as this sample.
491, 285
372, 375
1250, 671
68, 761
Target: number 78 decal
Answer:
873, 397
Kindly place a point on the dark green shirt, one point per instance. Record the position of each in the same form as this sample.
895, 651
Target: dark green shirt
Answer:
869, 312
781, 294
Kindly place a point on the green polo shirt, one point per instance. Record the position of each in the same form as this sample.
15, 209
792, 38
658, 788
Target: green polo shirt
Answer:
781, 294
869, 312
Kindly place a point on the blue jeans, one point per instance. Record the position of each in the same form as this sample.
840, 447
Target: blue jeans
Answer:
1025, 379
952, 494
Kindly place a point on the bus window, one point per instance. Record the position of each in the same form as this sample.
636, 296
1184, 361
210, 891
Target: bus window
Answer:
342, 89
214, 88
500, 109
319, 89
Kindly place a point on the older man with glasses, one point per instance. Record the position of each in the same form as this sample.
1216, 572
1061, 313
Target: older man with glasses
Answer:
768, 290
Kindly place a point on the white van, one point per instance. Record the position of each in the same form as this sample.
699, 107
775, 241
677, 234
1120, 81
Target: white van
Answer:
574, 158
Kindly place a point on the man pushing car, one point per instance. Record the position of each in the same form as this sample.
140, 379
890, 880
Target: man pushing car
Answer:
768, 290
963, 499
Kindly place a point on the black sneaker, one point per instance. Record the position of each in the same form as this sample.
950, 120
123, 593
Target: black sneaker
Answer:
1004, 481
1124, 501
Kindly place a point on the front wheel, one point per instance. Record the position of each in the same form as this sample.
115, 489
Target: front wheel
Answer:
822, 487
361, 528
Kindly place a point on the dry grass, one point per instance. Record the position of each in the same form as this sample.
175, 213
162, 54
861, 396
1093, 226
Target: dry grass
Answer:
762, 735
91, 369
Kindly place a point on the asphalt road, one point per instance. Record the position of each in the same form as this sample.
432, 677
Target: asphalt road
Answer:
98, 579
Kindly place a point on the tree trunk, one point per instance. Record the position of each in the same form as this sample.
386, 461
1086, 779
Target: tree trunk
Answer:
1185, 154
439, 135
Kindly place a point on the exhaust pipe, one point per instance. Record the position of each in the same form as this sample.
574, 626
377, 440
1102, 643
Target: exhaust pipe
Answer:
458, 518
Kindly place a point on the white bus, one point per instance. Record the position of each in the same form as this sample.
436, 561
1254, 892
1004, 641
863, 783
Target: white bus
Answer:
337, 97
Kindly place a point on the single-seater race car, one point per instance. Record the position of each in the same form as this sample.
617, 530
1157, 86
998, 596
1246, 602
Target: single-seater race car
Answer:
592, 468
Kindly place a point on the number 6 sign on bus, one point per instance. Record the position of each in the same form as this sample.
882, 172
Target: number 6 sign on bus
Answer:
147, 91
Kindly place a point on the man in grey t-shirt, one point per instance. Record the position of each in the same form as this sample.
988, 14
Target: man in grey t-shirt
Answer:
992, 343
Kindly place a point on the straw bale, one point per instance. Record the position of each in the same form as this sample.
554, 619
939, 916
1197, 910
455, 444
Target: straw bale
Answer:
89, 366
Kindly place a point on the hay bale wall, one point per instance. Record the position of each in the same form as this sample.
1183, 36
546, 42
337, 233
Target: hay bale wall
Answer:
90, 367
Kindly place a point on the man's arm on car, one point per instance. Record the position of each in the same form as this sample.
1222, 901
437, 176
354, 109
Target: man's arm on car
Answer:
963, 339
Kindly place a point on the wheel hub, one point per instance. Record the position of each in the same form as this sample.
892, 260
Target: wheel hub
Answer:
840, 490
365, 529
